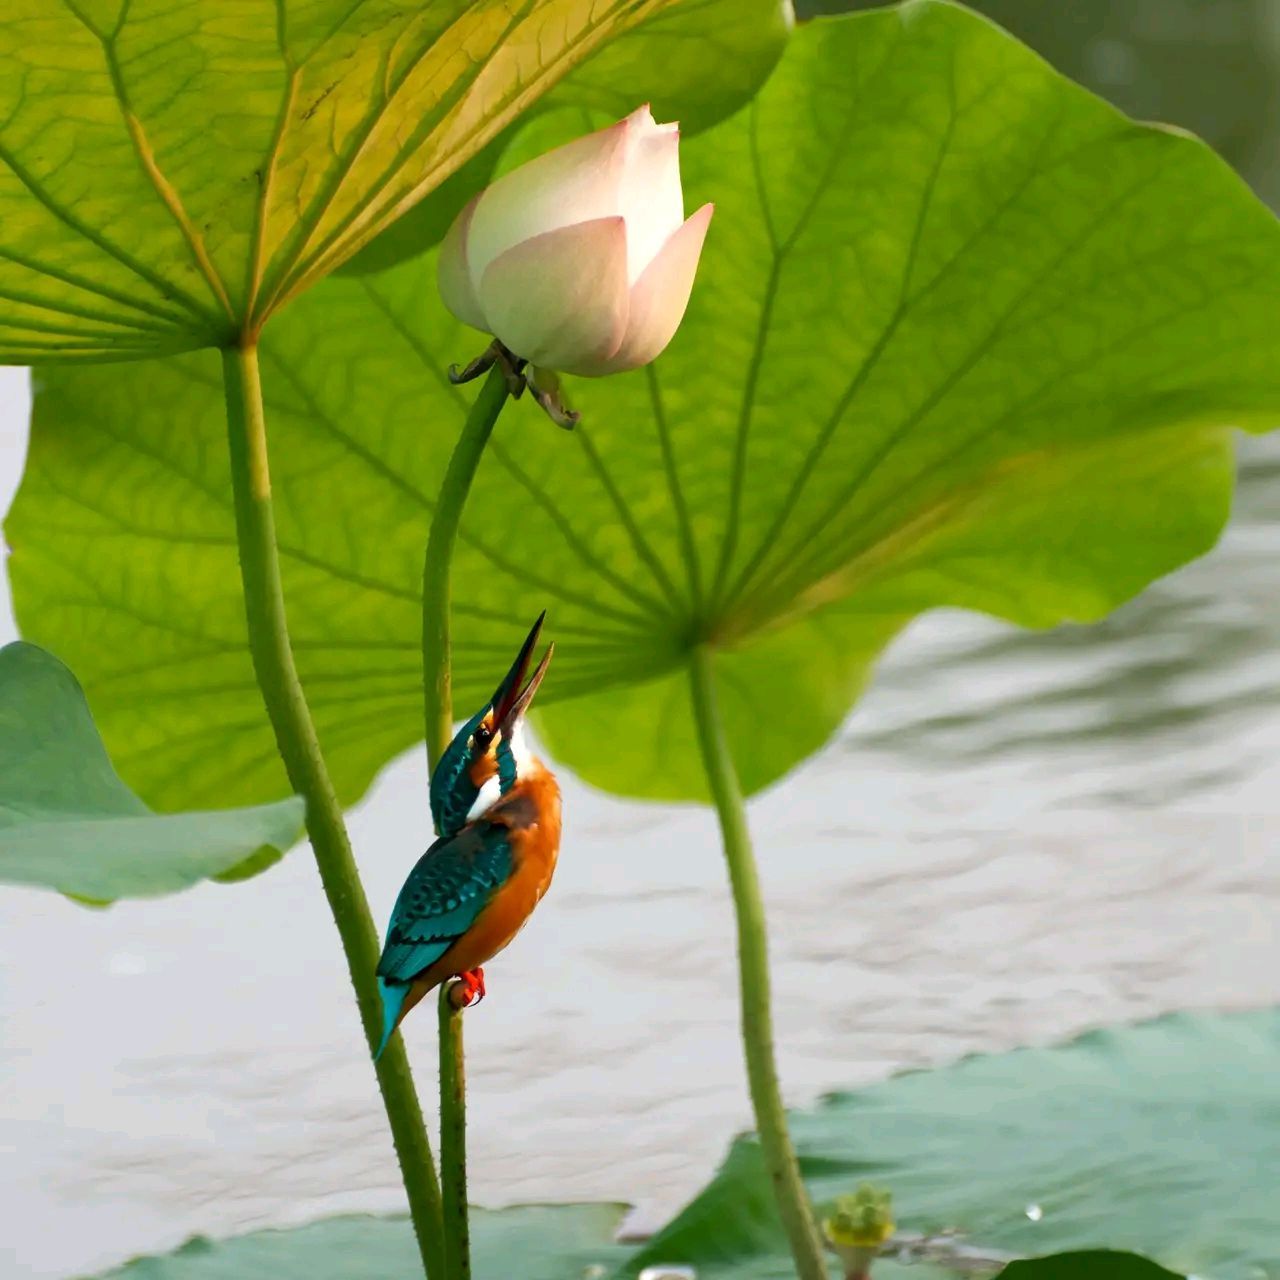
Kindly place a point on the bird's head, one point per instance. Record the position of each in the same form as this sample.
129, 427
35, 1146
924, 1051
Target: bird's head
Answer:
490, 753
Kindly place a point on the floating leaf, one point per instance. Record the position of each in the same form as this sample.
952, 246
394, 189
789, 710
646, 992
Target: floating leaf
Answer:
67, 822
1091, 1264
171, 173
963, 335
1130, 1138
532, 1242
1124, 1137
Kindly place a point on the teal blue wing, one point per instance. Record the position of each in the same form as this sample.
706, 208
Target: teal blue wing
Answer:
445, 892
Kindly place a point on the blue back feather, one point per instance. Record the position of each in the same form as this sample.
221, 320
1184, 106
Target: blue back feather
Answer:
444, 893
393, 995
506, 765
452, 791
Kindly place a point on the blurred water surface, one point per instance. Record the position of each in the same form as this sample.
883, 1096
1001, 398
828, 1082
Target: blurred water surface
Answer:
1015, 837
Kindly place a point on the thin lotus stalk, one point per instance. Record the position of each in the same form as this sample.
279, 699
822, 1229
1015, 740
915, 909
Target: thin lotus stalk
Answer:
753, 975
437, 569
453, 1137
437, 684
299, 747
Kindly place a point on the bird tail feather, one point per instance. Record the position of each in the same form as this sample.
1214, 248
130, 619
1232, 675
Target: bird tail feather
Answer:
393, 998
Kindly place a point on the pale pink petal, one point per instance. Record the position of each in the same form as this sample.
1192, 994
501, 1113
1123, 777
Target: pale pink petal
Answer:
578, 182
659, 297
651, 199
452, 275
560, 299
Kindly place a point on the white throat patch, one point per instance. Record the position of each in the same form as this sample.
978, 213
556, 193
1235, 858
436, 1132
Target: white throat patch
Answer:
520, 751
488, 795
491, 791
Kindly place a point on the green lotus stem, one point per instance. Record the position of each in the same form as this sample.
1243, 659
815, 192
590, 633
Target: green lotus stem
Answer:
437, 686
437, 666
300, 750
453, 1138
753, 976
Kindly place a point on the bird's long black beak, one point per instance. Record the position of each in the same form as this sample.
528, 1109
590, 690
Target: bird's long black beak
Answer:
511, 701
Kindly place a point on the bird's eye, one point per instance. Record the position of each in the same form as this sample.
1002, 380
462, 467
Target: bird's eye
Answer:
483, 736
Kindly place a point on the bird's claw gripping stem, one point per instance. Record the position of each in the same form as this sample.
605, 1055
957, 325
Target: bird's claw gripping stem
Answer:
468, 990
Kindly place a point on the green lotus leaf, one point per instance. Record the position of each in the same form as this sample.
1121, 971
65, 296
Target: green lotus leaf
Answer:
1087, 1264
534, 1242
963, 335
171, 173
1122, 1139
695, 63
67, 822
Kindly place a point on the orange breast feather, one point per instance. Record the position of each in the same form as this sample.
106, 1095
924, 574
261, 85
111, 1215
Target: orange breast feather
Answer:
531, 813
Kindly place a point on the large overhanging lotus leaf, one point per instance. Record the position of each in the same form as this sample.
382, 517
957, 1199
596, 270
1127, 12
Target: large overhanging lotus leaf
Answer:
694, 62
67, 822
962, 335
171, 171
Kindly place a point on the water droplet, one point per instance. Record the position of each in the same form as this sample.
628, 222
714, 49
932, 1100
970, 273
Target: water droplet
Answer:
1034, 1212
668, 1272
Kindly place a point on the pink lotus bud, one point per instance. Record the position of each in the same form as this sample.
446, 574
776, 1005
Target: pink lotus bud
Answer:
581, 260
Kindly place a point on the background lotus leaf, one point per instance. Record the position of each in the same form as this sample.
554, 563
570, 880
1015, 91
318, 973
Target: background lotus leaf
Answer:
534, 1242
694, 62
963, 335
1122, 1138
1087, 1264
67, 822
239, 150
1123, 1135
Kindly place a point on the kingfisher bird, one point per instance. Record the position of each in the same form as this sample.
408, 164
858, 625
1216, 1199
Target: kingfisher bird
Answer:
497, 808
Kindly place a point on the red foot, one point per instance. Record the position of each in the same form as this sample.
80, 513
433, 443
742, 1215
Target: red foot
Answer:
470, 989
